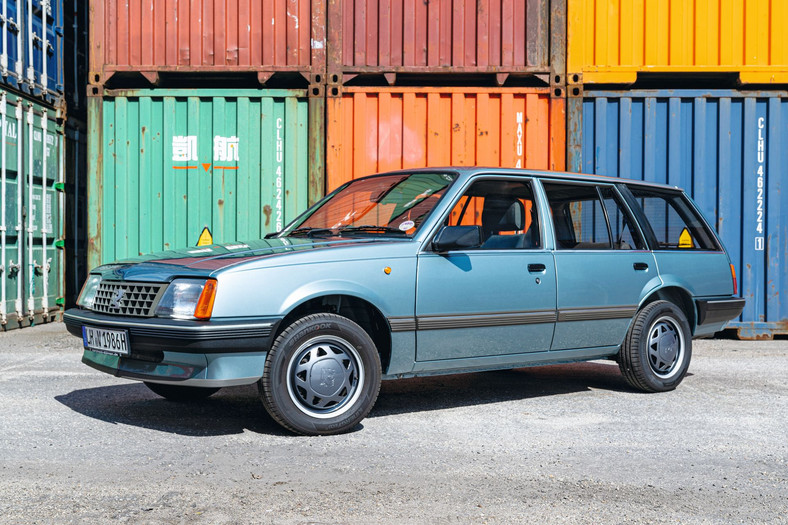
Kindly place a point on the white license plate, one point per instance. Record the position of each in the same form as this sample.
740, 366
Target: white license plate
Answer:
108, 341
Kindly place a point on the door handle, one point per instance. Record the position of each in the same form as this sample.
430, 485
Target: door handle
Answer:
640, 266
536, 268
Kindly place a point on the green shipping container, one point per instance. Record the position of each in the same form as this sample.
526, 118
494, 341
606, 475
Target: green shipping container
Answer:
163, 165
31, 204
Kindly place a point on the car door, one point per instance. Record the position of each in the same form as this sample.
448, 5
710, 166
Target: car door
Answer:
603, 266
494, 299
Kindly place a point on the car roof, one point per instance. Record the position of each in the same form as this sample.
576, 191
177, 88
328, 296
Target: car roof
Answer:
468, 171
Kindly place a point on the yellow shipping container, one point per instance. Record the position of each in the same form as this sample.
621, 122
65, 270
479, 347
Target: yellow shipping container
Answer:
611, 41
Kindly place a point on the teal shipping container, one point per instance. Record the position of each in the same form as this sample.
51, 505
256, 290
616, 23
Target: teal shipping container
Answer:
31, 207
165, 167
728, 149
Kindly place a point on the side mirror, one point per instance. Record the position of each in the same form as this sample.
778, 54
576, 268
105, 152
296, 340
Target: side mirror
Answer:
457, 238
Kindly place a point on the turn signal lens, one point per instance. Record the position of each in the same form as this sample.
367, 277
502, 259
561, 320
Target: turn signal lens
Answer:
205, 302
735, 284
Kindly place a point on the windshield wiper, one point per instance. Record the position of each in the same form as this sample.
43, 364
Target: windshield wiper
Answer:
368, 228
309, 232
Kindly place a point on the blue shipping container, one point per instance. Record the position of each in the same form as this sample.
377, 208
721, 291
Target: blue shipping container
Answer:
729, 149
31, 46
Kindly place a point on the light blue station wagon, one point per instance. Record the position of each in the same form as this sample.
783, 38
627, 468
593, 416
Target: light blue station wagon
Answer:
419, 272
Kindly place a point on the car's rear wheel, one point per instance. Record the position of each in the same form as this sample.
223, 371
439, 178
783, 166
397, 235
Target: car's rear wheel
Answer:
181, 393
656, 353
322, 375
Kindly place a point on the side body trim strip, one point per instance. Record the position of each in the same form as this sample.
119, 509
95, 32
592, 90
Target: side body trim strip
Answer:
442, 322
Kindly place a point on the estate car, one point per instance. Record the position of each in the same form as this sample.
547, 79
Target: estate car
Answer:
418, 272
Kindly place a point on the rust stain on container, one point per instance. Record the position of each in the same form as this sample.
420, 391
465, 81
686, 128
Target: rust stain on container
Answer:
379, 129
152, 36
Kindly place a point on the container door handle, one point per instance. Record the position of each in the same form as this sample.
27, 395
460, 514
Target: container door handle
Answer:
640, 266
536, 268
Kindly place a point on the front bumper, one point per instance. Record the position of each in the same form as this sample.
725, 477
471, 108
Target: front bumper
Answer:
212, 353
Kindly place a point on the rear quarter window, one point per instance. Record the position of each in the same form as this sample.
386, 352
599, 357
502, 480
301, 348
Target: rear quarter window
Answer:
673, 223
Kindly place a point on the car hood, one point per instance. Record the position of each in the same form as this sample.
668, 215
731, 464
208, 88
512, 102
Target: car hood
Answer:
206, 260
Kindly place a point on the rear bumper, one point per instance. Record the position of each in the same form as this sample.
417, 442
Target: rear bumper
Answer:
718, 311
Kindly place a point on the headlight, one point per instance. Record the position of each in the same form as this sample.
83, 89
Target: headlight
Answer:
88, 293
188, 299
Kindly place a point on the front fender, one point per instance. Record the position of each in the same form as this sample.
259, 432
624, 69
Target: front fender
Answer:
274, 292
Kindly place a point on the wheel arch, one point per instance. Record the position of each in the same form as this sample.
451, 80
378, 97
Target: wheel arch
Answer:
678, 296
359, 310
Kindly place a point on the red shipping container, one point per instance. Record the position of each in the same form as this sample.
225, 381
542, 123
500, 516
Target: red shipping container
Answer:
525, 37
371, 130
153, 36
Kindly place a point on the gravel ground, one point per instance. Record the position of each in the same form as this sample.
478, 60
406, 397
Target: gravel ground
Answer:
560, 444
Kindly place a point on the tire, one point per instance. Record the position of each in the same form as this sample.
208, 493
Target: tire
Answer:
322, 375
181, 393
656, 353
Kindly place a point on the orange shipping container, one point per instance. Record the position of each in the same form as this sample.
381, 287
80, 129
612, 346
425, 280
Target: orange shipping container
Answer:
610, 41
379, 129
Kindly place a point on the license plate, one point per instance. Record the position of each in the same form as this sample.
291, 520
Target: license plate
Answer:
107, 341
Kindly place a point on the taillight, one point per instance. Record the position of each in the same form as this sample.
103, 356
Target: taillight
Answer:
735, 285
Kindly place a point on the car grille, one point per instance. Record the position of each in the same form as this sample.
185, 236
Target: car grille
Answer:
122, 298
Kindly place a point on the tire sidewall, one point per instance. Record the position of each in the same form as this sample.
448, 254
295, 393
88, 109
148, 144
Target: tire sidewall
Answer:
659, 311
274, 385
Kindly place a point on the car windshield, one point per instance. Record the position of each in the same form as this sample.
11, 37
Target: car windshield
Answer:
393, 205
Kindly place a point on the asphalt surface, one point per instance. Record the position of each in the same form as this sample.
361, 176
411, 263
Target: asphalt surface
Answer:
562, 444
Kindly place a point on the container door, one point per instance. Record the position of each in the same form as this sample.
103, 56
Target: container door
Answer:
41, 200
10, 32
603, 266
29, 173
496, 299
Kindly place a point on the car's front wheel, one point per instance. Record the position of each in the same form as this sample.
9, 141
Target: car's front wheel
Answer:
322, 375
656, 353
181, 393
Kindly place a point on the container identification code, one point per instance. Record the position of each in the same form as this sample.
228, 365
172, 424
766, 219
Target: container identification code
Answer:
280, 157
520, 133
760, 183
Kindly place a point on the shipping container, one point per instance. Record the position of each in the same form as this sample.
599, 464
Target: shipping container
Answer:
503, 37
379, 129
610, 41
31, 201
31, 52
153, 36
164, 165
728, 150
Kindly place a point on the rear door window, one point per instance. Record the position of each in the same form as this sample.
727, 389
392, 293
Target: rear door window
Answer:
587, 217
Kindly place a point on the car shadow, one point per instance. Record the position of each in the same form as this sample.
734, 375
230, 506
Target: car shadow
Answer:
238, 409
229, 411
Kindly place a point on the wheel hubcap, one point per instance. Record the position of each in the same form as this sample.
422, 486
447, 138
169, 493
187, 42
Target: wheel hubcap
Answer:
324, 377
665, 347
